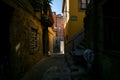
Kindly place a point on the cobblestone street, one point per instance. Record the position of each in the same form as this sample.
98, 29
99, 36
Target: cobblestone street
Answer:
53, 68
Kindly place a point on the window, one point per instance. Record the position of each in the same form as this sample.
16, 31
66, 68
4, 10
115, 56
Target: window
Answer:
83, 4
59, 29
33, 39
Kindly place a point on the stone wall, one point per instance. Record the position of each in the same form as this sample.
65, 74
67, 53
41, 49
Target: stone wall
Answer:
25, 39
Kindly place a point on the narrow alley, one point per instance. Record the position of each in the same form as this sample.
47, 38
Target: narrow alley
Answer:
51, 68
57, 67
80, 43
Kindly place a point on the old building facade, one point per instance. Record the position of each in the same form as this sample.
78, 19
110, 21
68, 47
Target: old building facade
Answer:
22, 38
59, 32
73, 15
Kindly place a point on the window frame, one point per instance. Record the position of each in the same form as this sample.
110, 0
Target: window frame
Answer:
83, 4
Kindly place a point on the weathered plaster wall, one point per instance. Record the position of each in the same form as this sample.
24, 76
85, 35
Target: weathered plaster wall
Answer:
25, 39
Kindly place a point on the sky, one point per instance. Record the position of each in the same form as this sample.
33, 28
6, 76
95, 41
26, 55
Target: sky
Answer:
57, 6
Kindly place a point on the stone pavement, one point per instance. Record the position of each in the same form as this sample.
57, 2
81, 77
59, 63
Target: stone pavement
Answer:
54, 68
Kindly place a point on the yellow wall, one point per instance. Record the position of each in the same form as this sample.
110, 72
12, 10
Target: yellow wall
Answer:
66, 34
73, 27
21, 39
51, 36
20, 34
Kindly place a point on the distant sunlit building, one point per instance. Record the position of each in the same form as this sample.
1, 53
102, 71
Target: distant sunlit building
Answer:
59, 32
